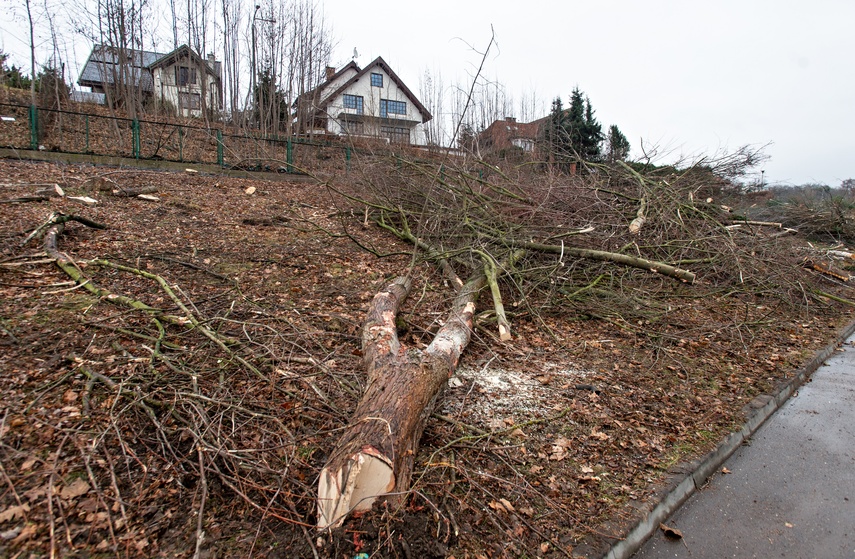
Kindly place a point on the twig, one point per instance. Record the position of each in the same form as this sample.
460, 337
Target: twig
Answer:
200, 533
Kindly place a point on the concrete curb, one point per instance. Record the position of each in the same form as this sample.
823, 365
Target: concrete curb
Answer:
683, 488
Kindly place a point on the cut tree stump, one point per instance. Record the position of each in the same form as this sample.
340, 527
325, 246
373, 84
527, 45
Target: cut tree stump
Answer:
375, 455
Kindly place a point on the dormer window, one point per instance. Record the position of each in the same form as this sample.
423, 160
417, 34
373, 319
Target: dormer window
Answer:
185, 75
376, 80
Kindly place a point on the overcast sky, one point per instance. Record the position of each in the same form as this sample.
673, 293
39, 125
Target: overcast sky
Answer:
686, 76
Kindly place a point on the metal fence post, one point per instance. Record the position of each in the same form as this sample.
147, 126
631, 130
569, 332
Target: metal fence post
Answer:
181, 144
135, 133
289, 156
347, 158
34, 127
219, 147
87, 133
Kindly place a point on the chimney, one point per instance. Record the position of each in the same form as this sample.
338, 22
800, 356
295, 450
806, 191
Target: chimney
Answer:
330, 72
211, 58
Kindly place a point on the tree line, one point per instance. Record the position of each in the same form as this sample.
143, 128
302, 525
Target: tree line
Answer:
273, 52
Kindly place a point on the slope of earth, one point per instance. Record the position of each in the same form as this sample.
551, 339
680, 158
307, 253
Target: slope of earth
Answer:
197, 426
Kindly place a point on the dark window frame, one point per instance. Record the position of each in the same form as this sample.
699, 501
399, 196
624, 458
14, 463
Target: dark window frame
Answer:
190, 101
392, 107
396, 134
185, 75
356, 102
354, 127
376, 80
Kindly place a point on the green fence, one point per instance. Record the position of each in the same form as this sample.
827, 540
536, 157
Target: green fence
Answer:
29, 127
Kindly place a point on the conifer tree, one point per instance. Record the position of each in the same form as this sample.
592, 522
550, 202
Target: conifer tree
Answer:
617, 148
574, 135
555, 133
591, 137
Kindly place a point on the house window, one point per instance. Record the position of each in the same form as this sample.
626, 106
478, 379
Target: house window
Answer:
389, 107
190, 101
396, 134
353, 102
353, 127
185, 75
377, 80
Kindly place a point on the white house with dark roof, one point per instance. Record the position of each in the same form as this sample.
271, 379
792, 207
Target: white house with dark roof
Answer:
370, 101
180, 78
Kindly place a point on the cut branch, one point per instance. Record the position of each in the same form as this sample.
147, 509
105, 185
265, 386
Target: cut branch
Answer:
375, 455
632, 261
640, 219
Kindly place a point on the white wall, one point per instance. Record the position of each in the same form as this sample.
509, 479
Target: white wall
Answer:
371, 105
166, 89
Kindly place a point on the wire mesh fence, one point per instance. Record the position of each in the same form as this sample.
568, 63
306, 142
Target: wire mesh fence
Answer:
29, 127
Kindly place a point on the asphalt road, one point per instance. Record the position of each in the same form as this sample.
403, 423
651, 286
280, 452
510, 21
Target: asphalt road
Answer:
790, 492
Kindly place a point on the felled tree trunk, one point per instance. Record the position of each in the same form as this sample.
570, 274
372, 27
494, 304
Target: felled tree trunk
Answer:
375, 455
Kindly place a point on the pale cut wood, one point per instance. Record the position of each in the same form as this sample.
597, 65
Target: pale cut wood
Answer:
374, 457
53, 190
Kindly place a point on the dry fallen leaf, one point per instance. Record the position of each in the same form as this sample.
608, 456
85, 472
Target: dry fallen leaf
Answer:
671, 533
507, 504
77, 488
13, 512
28, 532
11, 534
497, 506
558, 453
726, 471
599, 435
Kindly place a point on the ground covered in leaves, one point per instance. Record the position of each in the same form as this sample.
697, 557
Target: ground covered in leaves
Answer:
197, 426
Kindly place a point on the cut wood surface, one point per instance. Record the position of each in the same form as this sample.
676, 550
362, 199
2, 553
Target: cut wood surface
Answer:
374, 457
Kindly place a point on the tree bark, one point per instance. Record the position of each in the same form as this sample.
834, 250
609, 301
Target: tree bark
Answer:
375, 455
632, 261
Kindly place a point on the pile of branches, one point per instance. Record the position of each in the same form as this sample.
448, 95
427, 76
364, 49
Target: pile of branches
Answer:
610, 242
818, 212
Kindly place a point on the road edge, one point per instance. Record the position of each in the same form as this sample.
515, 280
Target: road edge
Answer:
698, 471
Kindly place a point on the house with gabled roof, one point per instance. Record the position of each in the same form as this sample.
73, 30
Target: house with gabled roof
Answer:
507, 133
370, 101
180, 78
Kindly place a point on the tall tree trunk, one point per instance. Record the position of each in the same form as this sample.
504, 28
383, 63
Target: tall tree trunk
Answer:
375, 455
32, 56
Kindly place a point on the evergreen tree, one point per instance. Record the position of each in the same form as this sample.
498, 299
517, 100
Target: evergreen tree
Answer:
573, 135
270, 101
12, 77
555, 133
617, 145
592, 135
575, 125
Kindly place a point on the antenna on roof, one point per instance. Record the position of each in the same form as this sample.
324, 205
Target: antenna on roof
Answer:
355, 54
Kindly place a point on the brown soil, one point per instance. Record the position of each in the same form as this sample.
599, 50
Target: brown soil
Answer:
126, 436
